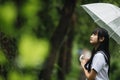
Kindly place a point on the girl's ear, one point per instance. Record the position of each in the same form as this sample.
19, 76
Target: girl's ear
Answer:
101, 39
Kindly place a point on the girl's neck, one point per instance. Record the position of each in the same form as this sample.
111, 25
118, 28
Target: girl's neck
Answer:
96, 46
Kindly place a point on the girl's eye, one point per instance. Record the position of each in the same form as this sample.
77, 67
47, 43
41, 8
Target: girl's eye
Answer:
95, 33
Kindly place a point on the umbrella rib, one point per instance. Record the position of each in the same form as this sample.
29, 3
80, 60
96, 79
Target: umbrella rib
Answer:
114, 31
96, 20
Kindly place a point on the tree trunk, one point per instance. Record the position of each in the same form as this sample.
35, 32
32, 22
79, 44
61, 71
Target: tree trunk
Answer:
56, 39
64, 60
69, 52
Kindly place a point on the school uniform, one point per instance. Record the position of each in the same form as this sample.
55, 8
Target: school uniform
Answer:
100, 66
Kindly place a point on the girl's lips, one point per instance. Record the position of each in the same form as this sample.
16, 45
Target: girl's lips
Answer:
90, 39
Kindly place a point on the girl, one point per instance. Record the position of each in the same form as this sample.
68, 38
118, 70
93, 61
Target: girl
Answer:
97, 67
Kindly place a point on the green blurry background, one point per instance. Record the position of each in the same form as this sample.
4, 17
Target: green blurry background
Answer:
42, 39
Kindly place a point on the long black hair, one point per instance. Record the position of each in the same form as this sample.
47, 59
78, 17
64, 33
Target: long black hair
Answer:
103, 46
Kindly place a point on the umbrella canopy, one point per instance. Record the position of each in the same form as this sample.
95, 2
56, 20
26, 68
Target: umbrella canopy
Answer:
106, 16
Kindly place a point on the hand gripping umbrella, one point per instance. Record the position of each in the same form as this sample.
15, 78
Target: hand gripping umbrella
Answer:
106, 16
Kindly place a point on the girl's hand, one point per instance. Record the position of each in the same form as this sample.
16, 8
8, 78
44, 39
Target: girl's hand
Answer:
83, 62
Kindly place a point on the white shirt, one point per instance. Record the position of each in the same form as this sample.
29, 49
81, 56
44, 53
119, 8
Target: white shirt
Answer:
100, 66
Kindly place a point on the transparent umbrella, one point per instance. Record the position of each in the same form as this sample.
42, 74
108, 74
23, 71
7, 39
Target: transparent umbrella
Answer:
106, 16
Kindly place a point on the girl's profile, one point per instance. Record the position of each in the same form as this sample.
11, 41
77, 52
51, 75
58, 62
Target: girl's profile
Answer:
98, 66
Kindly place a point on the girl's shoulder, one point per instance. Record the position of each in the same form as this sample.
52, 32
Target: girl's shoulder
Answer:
101, 54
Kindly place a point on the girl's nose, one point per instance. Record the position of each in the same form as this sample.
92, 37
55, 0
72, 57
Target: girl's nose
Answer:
91, 35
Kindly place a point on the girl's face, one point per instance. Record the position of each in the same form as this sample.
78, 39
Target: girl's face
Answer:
94, 39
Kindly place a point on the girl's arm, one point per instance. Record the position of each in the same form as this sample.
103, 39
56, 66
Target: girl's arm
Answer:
90, 75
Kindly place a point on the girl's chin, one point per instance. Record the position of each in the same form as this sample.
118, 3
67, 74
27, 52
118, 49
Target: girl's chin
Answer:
91, 42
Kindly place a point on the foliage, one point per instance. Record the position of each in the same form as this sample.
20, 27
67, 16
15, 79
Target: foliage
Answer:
25, 33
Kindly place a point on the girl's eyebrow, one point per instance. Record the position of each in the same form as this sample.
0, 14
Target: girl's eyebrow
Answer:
94, 32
